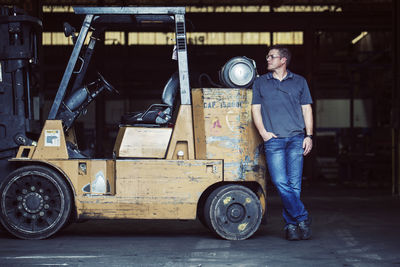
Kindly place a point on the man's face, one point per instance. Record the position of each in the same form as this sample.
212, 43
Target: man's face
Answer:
274, 59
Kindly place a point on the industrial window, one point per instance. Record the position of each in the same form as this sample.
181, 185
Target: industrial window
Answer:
199, 38
58, 38
264, 8
291, 38
114, 38
193, 38
305, 8
57, 9
228, 9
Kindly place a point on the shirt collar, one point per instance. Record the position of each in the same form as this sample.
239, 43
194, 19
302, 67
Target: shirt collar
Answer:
288, 76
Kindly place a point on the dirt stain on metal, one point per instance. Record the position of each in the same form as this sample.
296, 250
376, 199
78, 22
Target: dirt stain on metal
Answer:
242, 226
227, 200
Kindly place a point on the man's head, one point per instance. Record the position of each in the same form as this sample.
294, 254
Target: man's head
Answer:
278, 56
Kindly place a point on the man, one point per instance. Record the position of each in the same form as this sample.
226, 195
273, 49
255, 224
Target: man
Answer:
281, 109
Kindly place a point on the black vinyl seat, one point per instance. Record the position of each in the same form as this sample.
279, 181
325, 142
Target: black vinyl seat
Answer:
157, 114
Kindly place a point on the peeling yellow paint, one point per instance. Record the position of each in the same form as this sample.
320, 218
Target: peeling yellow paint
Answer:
224, 129
242, 226
227, 200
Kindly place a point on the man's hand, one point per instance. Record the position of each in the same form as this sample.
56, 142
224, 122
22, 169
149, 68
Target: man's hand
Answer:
257, 118
307, 145
268, 135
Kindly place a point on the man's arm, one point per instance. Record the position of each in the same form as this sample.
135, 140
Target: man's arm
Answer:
257, 118
308, 121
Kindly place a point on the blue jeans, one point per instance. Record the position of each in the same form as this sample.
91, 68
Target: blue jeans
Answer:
284, 156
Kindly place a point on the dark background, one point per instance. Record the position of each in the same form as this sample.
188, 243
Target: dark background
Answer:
359, 155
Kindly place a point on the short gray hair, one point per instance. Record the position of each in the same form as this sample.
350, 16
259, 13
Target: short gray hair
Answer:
283, 52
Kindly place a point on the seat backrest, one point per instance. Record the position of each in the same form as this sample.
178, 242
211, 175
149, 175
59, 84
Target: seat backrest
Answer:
171, 90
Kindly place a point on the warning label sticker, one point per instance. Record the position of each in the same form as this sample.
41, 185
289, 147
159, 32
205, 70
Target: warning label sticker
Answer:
52, 138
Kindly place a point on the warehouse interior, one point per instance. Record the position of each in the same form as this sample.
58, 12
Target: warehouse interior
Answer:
347, 50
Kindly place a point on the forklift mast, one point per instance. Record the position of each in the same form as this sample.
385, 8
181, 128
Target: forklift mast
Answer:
18, 54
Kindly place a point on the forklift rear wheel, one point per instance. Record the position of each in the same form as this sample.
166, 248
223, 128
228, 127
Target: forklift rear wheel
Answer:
233, 212
35, 202
200, 216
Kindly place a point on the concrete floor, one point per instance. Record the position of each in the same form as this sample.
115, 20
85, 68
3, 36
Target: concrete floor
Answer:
351, 228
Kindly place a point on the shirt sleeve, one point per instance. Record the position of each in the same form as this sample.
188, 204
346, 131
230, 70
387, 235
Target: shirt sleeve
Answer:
305, 94
256, 93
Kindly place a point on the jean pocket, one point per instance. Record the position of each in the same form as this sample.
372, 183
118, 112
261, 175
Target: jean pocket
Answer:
269, 140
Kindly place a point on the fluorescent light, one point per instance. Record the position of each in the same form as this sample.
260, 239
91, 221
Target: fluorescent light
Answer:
359, 37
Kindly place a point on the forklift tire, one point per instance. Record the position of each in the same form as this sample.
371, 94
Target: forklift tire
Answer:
35, 202
200, 216
233, 212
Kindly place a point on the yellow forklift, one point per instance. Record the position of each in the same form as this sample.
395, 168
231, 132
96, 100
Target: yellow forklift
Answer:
204, 162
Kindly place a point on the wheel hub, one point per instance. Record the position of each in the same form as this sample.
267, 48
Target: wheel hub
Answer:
32, 202
236, 212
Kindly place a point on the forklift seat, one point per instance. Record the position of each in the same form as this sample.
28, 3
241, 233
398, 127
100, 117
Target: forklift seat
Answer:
157, 114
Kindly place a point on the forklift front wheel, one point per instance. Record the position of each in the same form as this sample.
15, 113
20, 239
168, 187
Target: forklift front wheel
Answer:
35, 202
233, 212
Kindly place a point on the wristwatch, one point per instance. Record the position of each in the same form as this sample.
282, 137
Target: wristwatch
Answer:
309, 135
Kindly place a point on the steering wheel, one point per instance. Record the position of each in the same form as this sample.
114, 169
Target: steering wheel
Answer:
106, 84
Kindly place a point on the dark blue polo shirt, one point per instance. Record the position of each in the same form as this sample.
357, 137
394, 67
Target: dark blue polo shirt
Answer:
281, 103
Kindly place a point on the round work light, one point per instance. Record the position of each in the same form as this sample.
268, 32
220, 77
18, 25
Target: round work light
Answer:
238, 72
